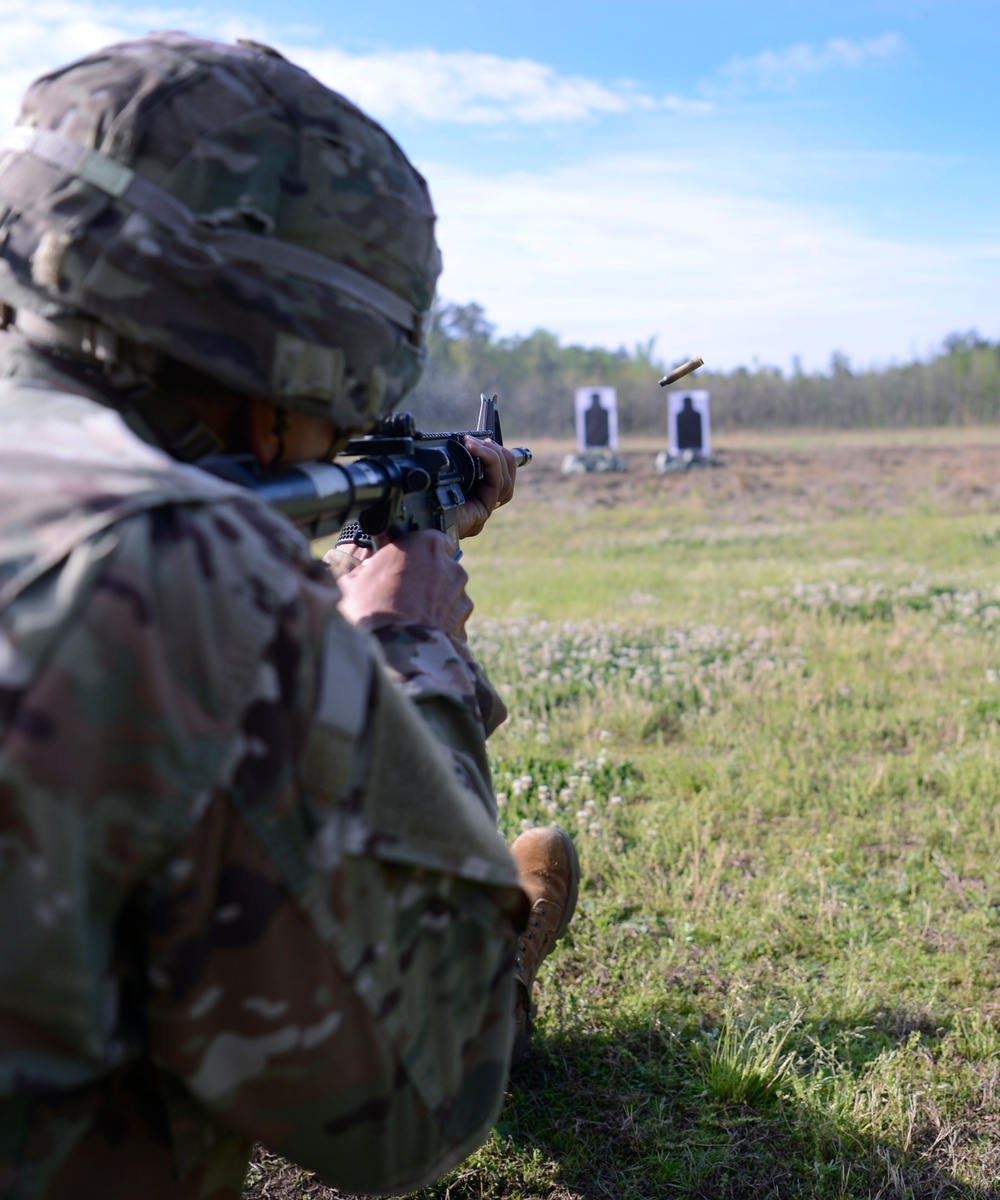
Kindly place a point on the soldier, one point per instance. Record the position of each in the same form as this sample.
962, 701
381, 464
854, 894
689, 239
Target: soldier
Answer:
250, 882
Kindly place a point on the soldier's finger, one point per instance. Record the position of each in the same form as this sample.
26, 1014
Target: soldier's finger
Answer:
497, 485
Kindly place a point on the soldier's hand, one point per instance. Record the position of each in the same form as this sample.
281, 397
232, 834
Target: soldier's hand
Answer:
412, 581
497, 487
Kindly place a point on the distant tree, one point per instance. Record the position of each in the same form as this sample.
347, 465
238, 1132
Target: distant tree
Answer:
840, 365
963, 343
463, 322
536, 377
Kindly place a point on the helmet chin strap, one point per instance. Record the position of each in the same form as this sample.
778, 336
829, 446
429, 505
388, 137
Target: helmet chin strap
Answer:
130, 370
183, 435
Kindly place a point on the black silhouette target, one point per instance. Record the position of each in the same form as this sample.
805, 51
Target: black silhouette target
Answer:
596, 418
689, 423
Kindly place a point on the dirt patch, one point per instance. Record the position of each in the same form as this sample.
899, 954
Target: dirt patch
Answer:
274, 1178
762, 483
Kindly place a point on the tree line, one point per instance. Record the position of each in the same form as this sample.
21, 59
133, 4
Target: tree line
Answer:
536, 377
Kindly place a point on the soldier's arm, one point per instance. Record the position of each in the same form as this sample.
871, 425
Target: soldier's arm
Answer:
330, 948
411, 597
350, 1009
254, 848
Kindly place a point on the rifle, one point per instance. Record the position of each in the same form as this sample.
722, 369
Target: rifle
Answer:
402, 480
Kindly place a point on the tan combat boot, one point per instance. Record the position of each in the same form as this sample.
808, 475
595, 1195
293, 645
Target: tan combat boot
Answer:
550, 874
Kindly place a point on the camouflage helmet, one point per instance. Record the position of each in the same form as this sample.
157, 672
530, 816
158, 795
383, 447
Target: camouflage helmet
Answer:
218, 205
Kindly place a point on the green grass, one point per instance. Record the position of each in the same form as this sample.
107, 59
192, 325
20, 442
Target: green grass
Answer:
605, 563
783, 979
776, 745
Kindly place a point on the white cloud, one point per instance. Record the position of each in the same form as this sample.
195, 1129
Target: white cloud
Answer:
423, 85
621, 249
781, 70
37, 37
474, 89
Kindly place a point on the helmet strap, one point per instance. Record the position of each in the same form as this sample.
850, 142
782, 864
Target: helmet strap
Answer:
161, 420
281, 424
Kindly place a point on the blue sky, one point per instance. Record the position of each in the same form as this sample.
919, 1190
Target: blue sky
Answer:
747, 181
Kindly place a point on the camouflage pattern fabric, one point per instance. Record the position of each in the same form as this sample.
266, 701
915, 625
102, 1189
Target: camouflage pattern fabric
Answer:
218, 205
244, 893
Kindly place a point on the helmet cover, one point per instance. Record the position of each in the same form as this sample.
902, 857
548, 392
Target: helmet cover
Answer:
221, 206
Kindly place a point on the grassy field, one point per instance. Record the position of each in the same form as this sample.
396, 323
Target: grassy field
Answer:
766, 701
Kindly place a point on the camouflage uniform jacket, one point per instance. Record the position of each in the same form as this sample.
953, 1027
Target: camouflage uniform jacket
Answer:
244, 893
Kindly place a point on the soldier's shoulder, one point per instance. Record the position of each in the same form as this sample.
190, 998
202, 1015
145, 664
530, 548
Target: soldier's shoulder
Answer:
72, 471
101, 533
